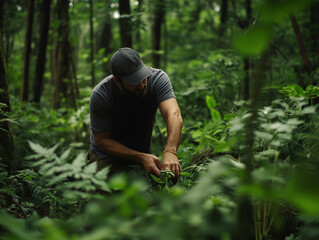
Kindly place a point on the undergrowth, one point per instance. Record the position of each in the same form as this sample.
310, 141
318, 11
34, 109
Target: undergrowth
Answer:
59, 196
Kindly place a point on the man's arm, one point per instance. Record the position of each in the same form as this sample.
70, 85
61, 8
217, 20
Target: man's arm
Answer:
113, 148
174, 124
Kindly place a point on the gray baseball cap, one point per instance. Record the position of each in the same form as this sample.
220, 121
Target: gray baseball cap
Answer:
127, 65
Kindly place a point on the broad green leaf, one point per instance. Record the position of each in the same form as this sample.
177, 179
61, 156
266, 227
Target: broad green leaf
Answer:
60, 178
308, 110
101, 184
81, 185
254, 42
186, 174
215, 115
118, 182
293, 90
294, 122
65, 155
302, 191
16, 227
98, 233
197, 134
37, 148
269, 152
79, 162
218, 131
102, 174
8, 120
312, 91
210, 102
263, 135
51, 229
90, 169
76, 144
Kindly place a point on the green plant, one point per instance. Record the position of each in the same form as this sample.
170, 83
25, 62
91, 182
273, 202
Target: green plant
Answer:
60, 183
295, 90
74, 178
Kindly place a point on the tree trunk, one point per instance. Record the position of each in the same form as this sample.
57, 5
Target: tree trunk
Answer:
27, 53
105, 40
248, 10
159, 14
53, 42
41, 58
138, 25
196, 12
302, 48
165, 37
245, 223
6, 138
246, 78
246, 60
1, 22
61, 57
92, 45
223, 18
314, 33
125, 25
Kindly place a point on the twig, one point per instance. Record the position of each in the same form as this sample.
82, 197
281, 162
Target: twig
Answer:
18, 205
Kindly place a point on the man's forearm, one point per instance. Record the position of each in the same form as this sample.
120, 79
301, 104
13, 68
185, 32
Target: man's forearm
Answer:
118, 150
115, 149
174, 125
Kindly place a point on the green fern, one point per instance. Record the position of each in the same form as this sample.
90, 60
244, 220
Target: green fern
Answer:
73, 177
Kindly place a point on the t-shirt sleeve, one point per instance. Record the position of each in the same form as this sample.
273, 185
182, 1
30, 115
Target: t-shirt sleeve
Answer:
163, 88
100, 116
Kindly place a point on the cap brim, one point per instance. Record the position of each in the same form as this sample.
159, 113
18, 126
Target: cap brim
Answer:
137, 77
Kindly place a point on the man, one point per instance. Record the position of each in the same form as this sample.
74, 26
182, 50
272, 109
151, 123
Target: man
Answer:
122, 113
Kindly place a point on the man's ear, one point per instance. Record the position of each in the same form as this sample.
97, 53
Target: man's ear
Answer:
117, 82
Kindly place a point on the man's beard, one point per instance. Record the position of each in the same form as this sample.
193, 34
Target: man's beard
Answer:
137, 93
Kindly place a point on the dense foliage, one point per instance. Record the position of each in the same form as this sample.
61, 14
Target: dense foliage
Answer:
249, 153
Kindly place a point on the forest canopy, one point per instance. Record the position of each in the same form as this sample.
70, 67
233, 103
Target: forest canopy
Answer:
246, 77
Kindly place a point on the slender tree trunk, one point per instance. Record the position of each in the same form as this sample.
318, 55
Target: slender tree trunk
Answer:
223, 18
246, 78
6, 138
246, 60
302, 48
197, 11
41, 58
125, 25
314, 33
248, 10
138, 25
1, 22
165, 37
245, 219
73, 72
104, 41
159, 13
27, 53
7, 33
61, 55
53, 42
92, 45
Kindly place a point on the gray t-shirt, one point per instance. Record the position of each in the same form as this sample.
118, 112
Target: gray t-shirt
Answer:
129, 120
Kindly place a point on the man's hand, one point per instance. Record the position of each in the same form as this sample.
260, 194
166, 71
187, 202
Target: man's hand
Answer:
151, 164
170, 162
174, 124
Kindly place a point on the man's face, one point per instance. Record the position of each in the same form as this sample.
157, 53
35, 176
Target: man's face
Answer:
138, 90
